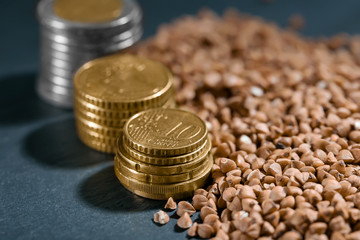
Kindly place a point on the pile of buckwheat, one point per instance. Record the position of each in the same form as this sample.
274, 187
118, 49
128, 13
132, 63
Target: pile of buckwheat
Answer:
284, 117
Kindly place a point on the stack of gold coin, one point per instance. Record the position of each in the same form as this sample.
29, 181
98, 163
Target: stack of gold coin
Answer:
163, 153
109, 90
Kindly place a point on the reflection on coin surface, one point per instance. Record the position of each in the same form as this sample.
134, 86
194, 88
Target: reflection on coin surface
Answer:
165, 132
88, 11
124, 79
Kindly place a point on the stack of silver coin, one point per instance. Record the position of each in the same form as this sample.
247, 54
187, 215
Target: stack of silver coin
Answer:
66, 45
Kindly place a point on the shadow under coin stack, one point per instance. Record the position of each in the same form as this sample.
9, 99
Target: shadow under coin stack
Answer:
164, 153
76, 31
109, 90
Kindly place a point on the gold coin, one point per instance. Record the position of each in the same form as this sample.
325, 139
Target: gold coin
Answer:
123, 82
170, 104
82, 123
140, 105
106, 122
148, 159
164, 191
159, 179
165, 132
190, 167
176, 196
126, 106
98, 137
121, 114
99, 146
88, 11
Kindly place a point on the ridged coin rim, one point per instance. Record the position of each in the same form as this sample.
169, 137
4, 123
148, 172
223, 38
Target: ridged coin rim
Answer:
164, 161
101, 147
160, 179
164, 191
106, 131
106, 122
141, 167
105, 113
98, 137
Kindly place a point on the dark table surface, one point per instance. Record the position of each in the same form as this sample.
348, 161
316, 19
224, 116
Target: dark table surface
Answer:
51, 185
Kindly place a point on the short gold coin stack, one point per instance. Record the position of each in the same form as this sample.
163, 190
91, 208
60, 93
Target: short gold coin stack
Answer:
163, 153
109, 90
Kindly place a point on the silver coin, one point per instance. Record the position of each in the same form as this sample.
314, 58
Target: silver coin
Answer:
60, 81
64, 56
58, 71
130, 12
71, 57
66, 69
121, 45
58, 63
50, 80
55, 95
70, 65
55, 99
60, 38
74, 55
66, 48
53, 89
74, 51
112, 35
63, 38
117, 46
68, 56
66, 45
48, 60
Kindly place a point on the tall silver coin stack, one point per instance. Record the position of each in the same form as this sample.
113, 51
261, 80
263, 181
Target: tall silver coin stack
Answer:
66, 45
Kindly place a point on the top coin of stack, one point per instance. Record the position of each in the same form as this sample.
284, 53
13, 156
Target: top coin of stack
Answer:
109, 90
76, 31
163, 153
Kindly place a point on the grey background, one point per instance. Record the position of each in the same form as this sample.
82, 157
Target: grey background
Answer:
51, 185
